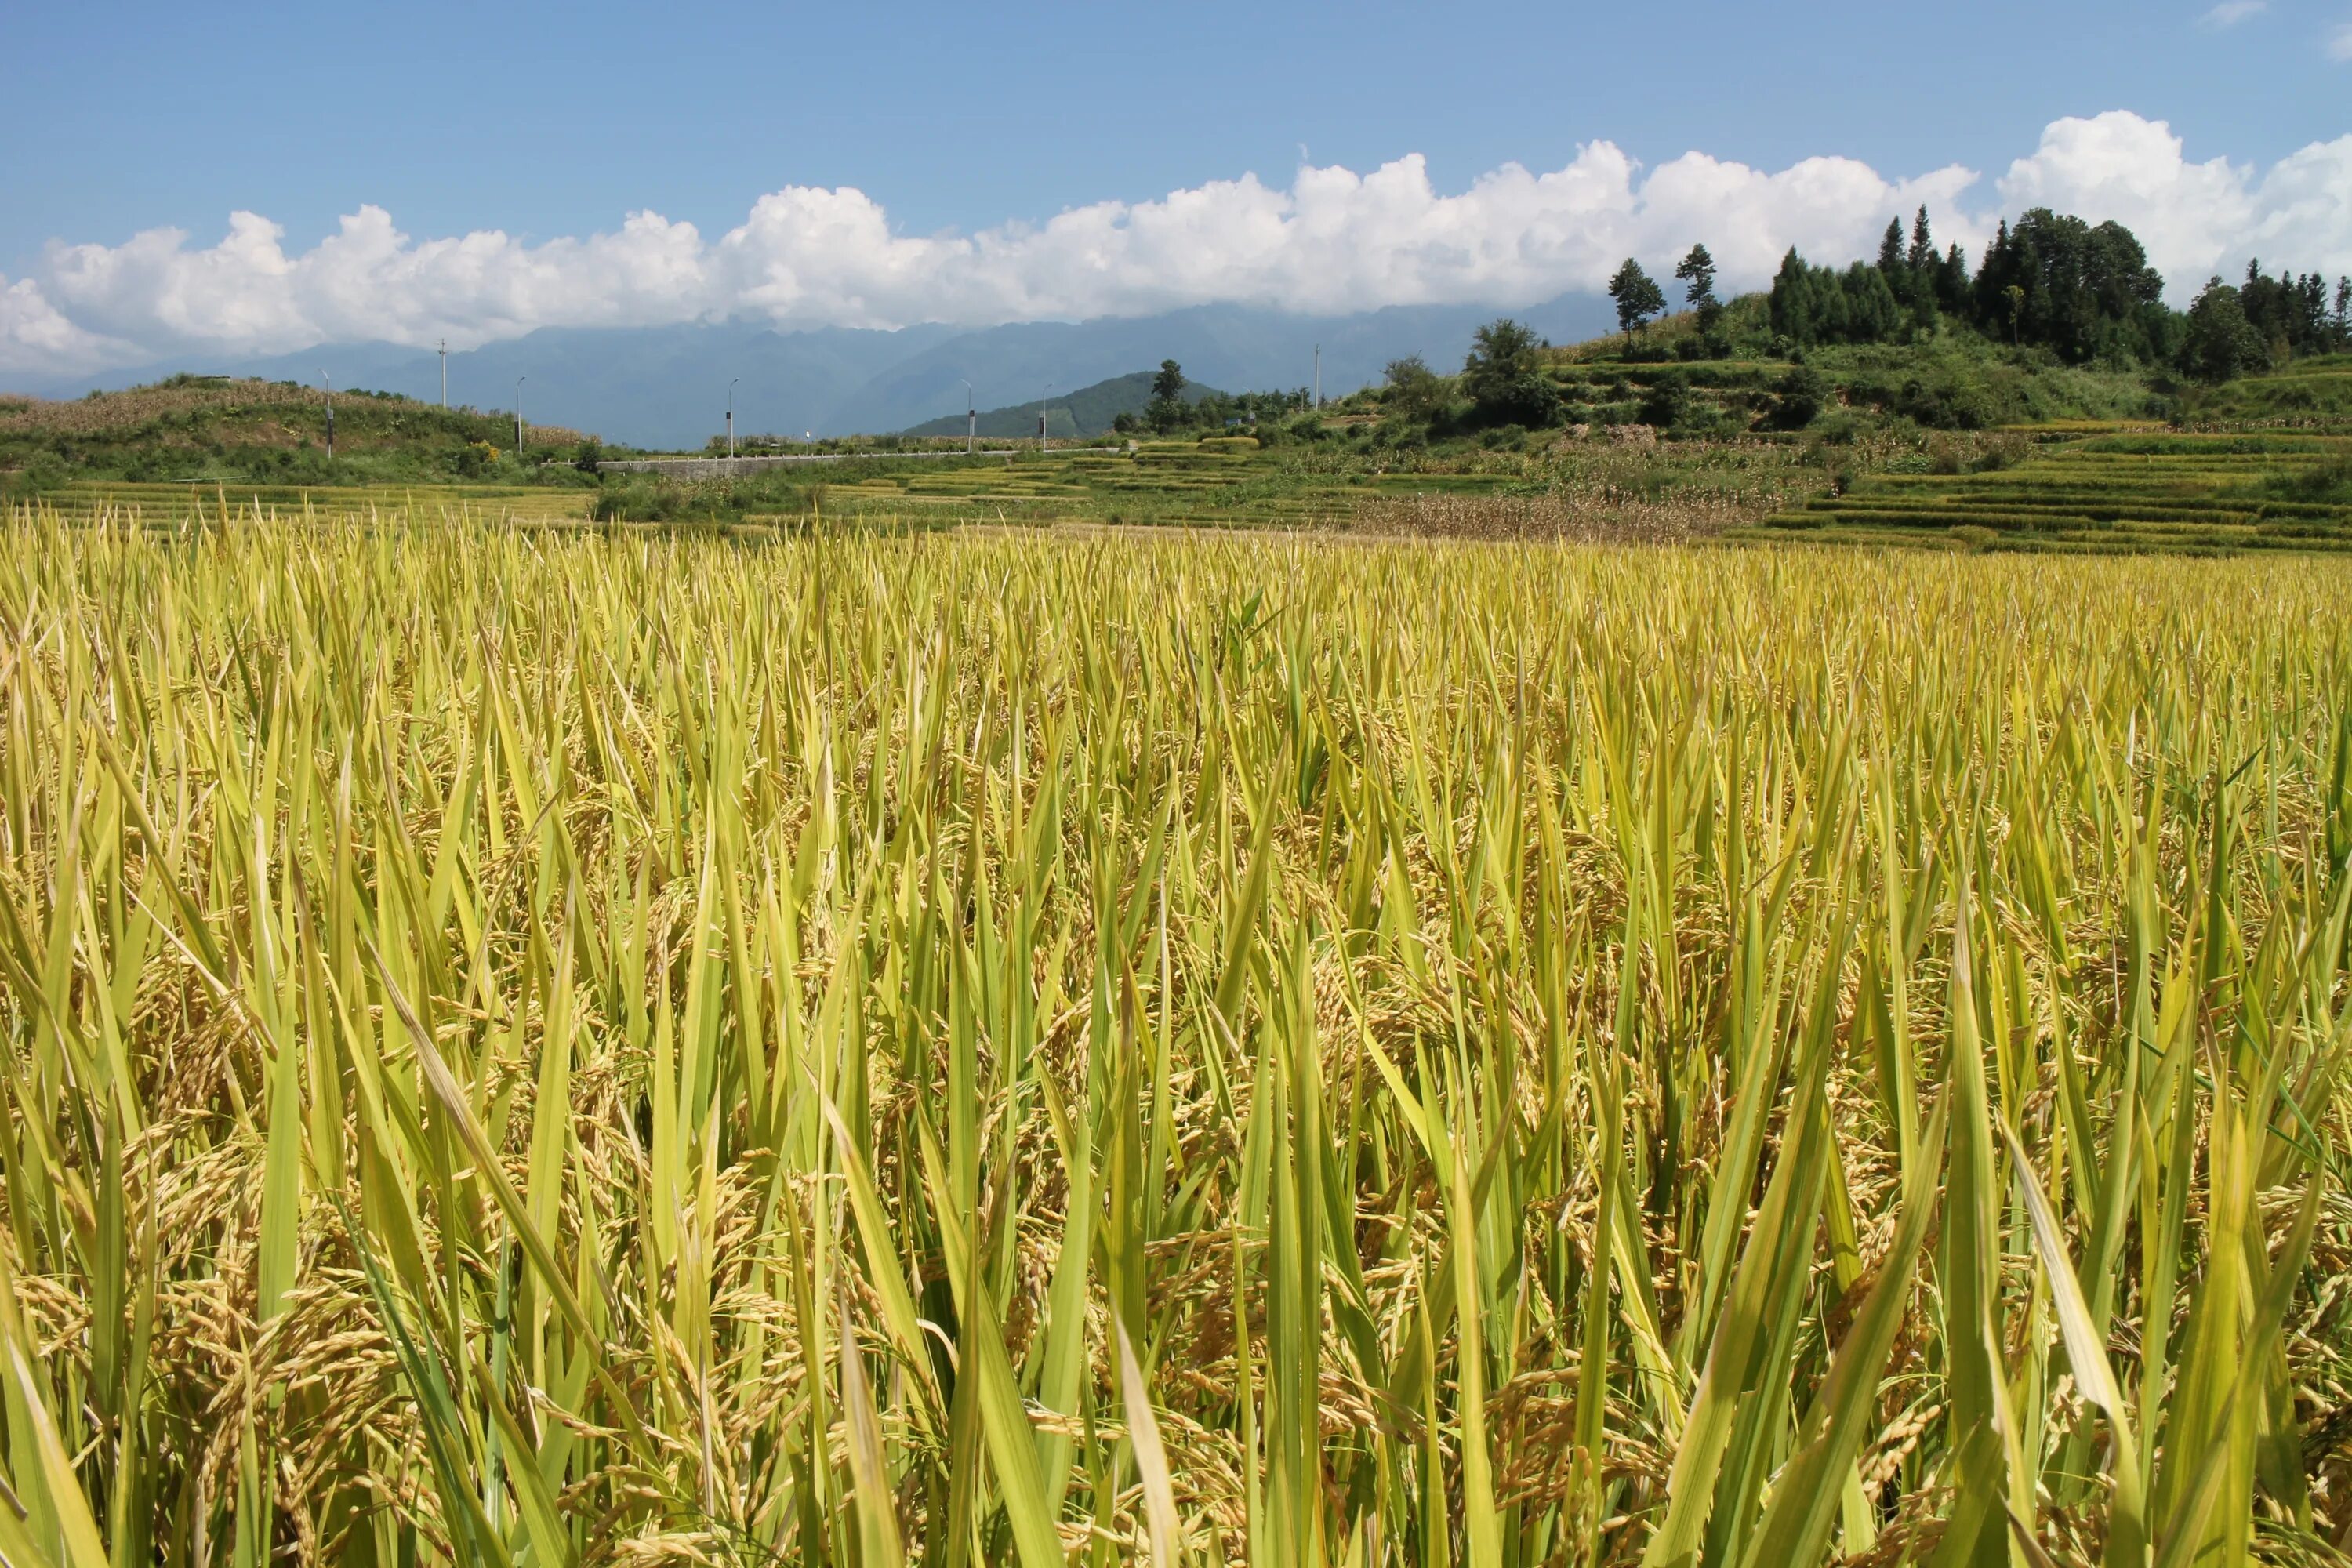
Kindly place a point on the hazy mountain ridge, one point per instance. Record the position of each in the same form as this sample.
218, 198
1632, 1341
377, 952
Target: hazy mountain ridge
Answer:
1088, 411
667, 387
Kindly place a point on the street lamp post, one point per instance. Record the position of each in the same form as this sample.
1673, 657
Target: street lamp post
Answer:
971, 421
518, 381
330, 387
731, 416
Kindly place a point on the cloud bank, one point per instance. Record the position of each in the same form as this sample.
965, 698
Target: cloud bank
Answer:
1334, 241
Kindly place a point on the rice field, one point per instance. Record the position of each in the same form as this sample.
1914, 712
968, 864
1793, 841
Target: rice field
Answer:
562, 1047
176, 504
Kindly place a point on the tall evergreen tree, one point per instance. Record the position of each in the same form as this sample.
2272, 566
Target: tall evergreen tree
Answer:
1890, 249
1696, 273
1994, 275
1873, 312
1793, 312
1952, 282
1921, 257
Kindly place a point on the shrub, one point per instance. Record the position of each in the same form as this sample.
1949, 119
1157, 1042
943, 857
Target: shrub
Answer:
1666, 402
1798, 400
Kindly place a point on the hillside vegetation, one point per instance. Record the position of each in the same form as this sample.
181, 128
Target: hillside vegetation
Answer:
264, 432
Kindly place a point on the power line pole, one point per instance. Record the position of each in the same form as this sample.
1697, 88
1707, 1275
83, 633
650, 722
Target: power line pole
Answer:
331, 413
518, 381
731, 416
445, 375
1319, 376
971, 421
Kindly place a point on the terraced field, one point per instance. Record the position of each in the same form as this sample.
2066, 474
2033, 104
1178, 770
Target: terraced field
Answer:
1221, 483
2121, 491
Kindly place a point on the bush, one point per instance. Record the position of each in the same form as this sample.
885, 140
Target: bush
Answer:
1531, 402
1957, 403
1667, 402
1798, 400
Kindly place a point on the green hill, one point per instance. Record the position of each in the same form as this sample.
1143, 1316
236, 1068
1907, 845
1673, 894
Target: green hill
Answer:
216, 428
1086, 412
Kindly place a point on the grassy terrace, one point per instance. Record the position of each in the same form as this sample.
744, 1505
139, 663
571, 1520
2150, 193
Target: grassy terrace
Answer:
2200, 493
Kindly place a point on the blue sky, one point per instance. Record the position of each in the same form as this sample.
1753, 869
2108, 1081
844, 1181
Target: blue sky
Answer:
542, 123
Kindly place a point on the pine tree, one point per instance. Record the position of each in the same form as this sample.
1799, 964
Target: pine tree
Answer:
1794, 309
1992, 279
1921, 257
1952, 282
1696, 273
1890, 249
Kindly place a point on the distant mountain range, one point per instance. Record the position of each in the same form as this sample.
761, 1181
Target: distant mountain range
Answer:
666, 387
1088, 411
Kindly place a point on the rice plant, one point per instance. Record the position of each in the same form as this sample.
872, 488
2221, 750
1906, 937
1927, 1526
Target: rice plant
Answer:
564, 1046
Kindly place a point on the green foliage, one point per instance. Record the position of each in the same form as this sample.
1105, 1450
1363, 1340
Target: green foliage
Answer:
1799, 399
1502, 377
217, 429
1166, 410
1637, 295
2220, 343
1410, 390
1667, 402
1819, 305
1696, 273
2081, 292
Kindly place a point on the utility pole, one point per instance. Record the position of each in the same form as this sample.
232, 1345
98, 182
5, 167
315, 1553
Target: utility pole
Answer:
1319, 376
1041, 418
518, 381
731, 416
445, 375
330, 415
971, 421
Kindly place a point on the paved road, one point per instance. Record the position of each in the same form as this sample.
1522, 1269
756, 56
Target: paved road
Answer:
725, 467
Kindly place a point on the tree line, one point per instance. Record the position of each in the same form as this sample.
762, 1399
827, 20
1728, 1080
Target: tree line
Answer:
2083, 291
1174, 407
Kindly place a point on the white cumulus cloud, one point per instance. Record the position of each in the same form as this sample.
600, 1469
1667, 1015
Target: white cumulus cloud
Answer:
2230, 12
1332, 241
2195, 218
